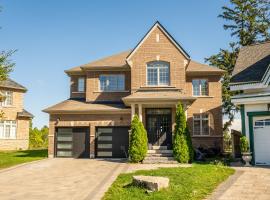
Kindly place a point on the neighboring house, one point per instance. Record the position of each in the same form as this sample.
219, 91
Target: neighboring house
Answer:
149, 80
14, 124
251, 76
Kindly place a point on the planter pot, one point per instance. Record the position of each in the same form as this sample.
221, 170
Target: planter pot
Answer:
247, 157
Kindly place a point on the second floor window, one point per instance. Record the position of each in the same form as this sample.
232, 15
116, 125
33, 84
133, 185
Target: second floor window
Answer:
81, 84
200, 87
111, 83
8, 98
8, 129
158, 73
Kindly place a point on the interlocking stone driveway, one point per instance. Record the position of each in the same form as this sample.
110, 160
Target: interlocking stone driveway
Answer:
59, 179
247, 184
64, 178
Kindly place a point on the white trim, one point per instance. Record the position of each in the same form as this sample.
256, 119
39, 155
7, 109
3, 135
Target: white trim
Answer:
149, 33
252, 100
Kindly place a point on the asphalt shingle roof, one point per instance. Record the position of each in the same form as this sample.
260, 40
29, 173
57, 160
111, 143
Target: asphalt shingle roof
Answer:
9, 83
252, 63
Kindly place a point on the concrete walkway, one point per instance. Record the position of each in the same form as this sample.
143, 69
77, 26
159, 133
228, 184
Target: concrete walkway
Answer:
246, 184
64, 178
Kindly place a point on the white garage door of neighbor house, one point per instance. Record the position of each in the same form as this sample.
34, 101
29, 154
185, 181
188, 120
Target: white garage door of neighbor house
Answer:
262, 140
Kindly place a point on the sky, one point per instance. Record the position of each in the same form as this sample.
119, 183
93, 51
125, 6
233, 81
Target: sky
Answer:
52, 36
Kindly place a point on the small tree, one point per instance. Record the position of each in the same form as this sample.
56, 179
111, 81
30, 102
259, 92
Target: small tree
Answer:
138, 141
180, 146
190, 146
244, 145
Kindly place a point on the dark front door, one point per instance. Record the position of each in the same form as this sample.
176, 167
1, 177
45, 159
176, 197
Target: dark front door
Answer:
159, 126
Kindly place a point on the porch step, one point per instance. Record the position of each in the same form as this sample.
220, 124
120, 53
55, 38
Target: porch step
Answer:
159, 155
159, 147
159, 151
157, 160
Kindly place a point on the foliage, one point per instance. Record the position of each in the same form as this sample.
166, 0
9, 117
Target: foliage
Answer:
138, 141
227, 139
193, 183
244, 145
190, 146
249, 22
38, 138
11, 158
180, 145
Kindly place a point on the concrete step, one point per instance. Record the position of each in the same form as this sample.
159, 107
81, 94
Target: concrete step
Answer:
160, 151
159, 155
159, 161
158, 158
159, 147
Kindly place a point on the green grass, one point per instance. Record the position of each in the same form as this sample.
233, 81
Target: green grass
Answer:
185, 183
11, 158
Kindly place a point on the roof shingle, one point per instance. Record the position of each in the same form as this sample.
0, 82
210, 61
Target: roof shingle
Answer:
9, 83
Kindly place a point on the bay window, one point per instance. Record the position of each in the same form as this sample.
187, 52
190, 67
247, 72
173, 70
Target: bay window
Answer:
8, 129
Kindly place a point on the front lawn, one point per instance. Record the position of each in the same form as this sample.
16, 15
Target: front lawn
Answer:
10, 158
195, 182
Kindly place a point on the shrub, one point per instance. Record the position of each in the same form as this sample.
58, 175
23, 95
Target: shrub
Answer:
180, 146
138, 141
189, 143
244, 145
38, 138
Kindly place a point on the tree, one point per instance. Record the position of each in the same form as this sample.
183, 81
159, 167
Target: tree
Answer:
138, 141
38, 138
189, 144
180, 145
249, 22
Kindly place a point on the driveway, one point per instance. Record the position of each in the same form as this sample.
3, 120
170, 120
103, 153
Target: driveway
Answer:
59, 179
246, 184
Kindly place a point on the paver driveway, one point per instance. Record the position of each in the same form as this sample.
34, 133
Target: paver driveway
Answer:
247, 184
59, 179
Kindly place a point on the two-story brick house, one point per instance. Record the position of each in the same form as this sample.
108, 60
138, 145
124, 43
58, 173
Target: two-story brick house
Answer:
148, 81
14, 124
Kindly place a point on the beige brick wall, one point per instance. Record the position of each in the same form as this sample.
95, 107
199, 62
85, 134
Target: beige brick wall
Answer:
91, 121
10, 113
164, 50
92, 87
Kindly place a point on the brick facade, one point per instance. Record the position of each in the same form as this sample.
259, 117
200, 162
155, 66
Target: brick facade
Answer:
151, 49
22, 131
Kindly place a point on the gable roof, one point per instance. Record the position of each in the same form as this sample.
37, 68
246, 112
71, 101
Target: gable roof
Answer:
199, 68
9, 83
158, 24
252, 63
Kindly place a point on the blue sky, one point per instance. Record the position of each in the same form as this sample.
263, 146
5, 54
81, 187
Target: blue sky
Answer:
52, 36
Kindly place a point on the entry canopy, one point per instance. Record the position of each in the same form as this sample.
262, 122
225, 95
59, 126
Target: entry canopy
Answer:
157, 97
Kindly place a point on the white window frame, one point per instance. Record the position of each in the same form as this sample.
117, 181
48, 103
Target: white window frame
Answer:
81, 84
7, 93
201, 124
119, 75
200, 86
158, 84
12, 124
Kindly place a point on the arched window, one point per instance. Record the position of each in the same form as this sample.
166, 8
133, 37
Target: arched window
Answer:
158, 73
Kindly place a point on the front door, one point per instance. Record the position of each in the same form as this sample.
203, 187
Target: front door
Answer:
158, 125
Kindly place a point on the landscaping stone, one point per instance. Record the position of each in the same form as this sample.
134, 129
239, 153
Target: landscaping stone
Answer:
153, 183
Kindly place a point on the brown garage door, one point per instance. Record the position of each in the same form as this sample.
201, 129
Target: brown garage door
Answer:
112, 142
72, 142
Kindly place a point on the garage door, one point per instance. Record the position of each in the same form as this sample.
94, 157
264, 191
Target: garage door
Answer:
112, 142
262, 140
72, 142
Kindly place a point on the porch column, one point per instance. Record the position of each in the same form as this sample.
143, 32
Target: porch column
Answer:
140, 112
132, 111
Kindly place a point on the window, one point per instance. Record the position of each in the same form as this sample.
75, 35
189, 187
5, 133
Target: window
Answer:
81, 84
158, 73
9, 98
261, 123
112, 82
200, 87
201, 124
8, 129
